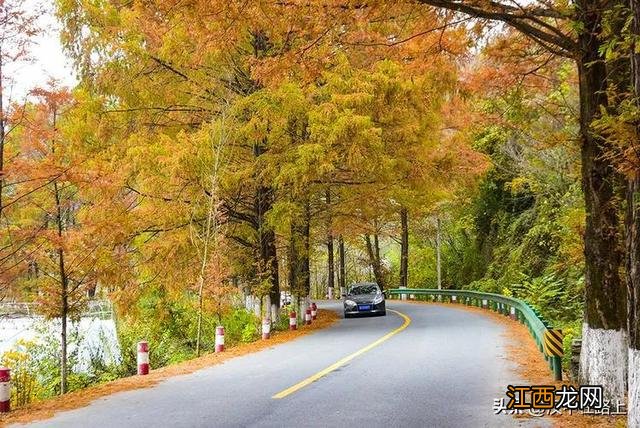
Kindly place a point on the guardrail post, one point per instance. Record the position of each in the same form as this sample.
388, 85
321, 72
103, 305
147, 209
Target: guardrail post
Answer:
512, 313
484, 303
557, 368
403, 296
5, 389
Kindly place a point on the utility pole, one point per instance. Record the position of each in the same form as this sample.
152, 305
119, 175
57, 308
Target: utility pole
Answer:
438, 253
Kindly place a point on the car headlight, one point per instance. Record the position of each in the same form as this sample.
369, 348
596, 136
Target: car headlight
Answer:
349, 303
378, 299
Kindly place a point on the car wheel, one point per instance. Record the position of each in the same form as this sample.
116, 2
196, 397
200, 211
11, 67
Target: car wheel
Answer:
346, 315
384, 313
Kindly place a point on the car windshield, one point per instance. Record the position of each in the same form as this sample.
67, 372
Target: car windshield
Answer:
364, 289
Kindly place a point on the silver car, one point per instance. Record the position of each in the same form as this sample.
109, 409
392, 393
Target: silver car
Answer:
364, 298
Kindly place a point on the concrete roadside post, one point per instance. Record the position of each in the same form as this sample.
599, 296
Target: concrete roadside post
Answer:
5, 389
219, 343
266, 328
293, 320
143, 358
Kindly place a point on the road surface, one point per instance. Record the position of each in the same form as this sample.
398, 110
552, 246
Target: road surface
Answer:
443, 369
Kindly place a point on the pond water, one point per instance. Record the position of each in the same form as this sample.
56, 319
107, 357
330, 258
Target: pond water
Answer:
94, 334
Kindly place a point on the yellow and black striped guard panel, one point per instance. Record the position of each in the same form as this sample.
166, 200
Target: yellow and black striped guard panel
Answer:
553, 343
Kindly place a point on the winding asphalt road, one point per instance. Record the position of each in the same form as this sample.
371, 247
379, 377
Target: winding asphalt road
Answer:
443, 370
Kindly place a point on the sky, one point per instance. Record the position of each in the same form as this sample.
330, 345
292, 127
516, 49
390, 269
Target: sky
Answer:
49, 60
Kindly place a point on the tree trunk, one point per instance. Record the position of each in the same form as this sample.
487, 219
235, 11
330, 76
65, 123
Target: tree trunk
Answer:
373, 250
266, 236
269, 260
64, 280
299, 247
604, 356
633, 297
404, 248
438, 249
341, 263
330, 261
306, 242
632, 223
2, 136
64, 294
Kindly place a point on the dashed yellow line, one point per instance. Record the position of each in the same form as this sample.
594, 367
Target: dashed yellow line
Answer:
298, 386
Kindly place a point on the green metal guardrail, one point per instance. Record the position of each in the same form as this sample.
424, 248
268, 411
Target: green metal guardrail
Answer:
545, 336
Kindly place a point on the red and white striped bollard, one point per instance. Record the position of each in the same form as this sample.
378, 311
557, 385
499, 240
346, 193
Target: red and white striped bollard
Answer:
266, 328
293, 320
5, 389
307, 316
314, 311
143, 358
219, 339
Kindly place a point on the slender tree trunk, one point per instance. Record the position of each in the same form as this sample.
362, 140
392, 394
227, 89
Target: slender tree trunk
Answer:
64, 280
330, 261
2, 136
632, 223
604, 356
373, 250
299, 247
266, 236
404, 248
306, 249
438, 261
64, 293
268, 255
341, 264
203, 264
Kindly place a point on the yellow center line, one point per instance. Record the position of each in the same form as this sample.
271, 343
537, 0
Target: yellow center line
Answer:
298, 386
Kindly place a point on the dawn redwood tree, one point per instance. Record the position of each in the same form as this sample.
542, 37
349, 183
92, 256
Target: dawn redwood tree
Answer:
18, 27
64, 256
576, 32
